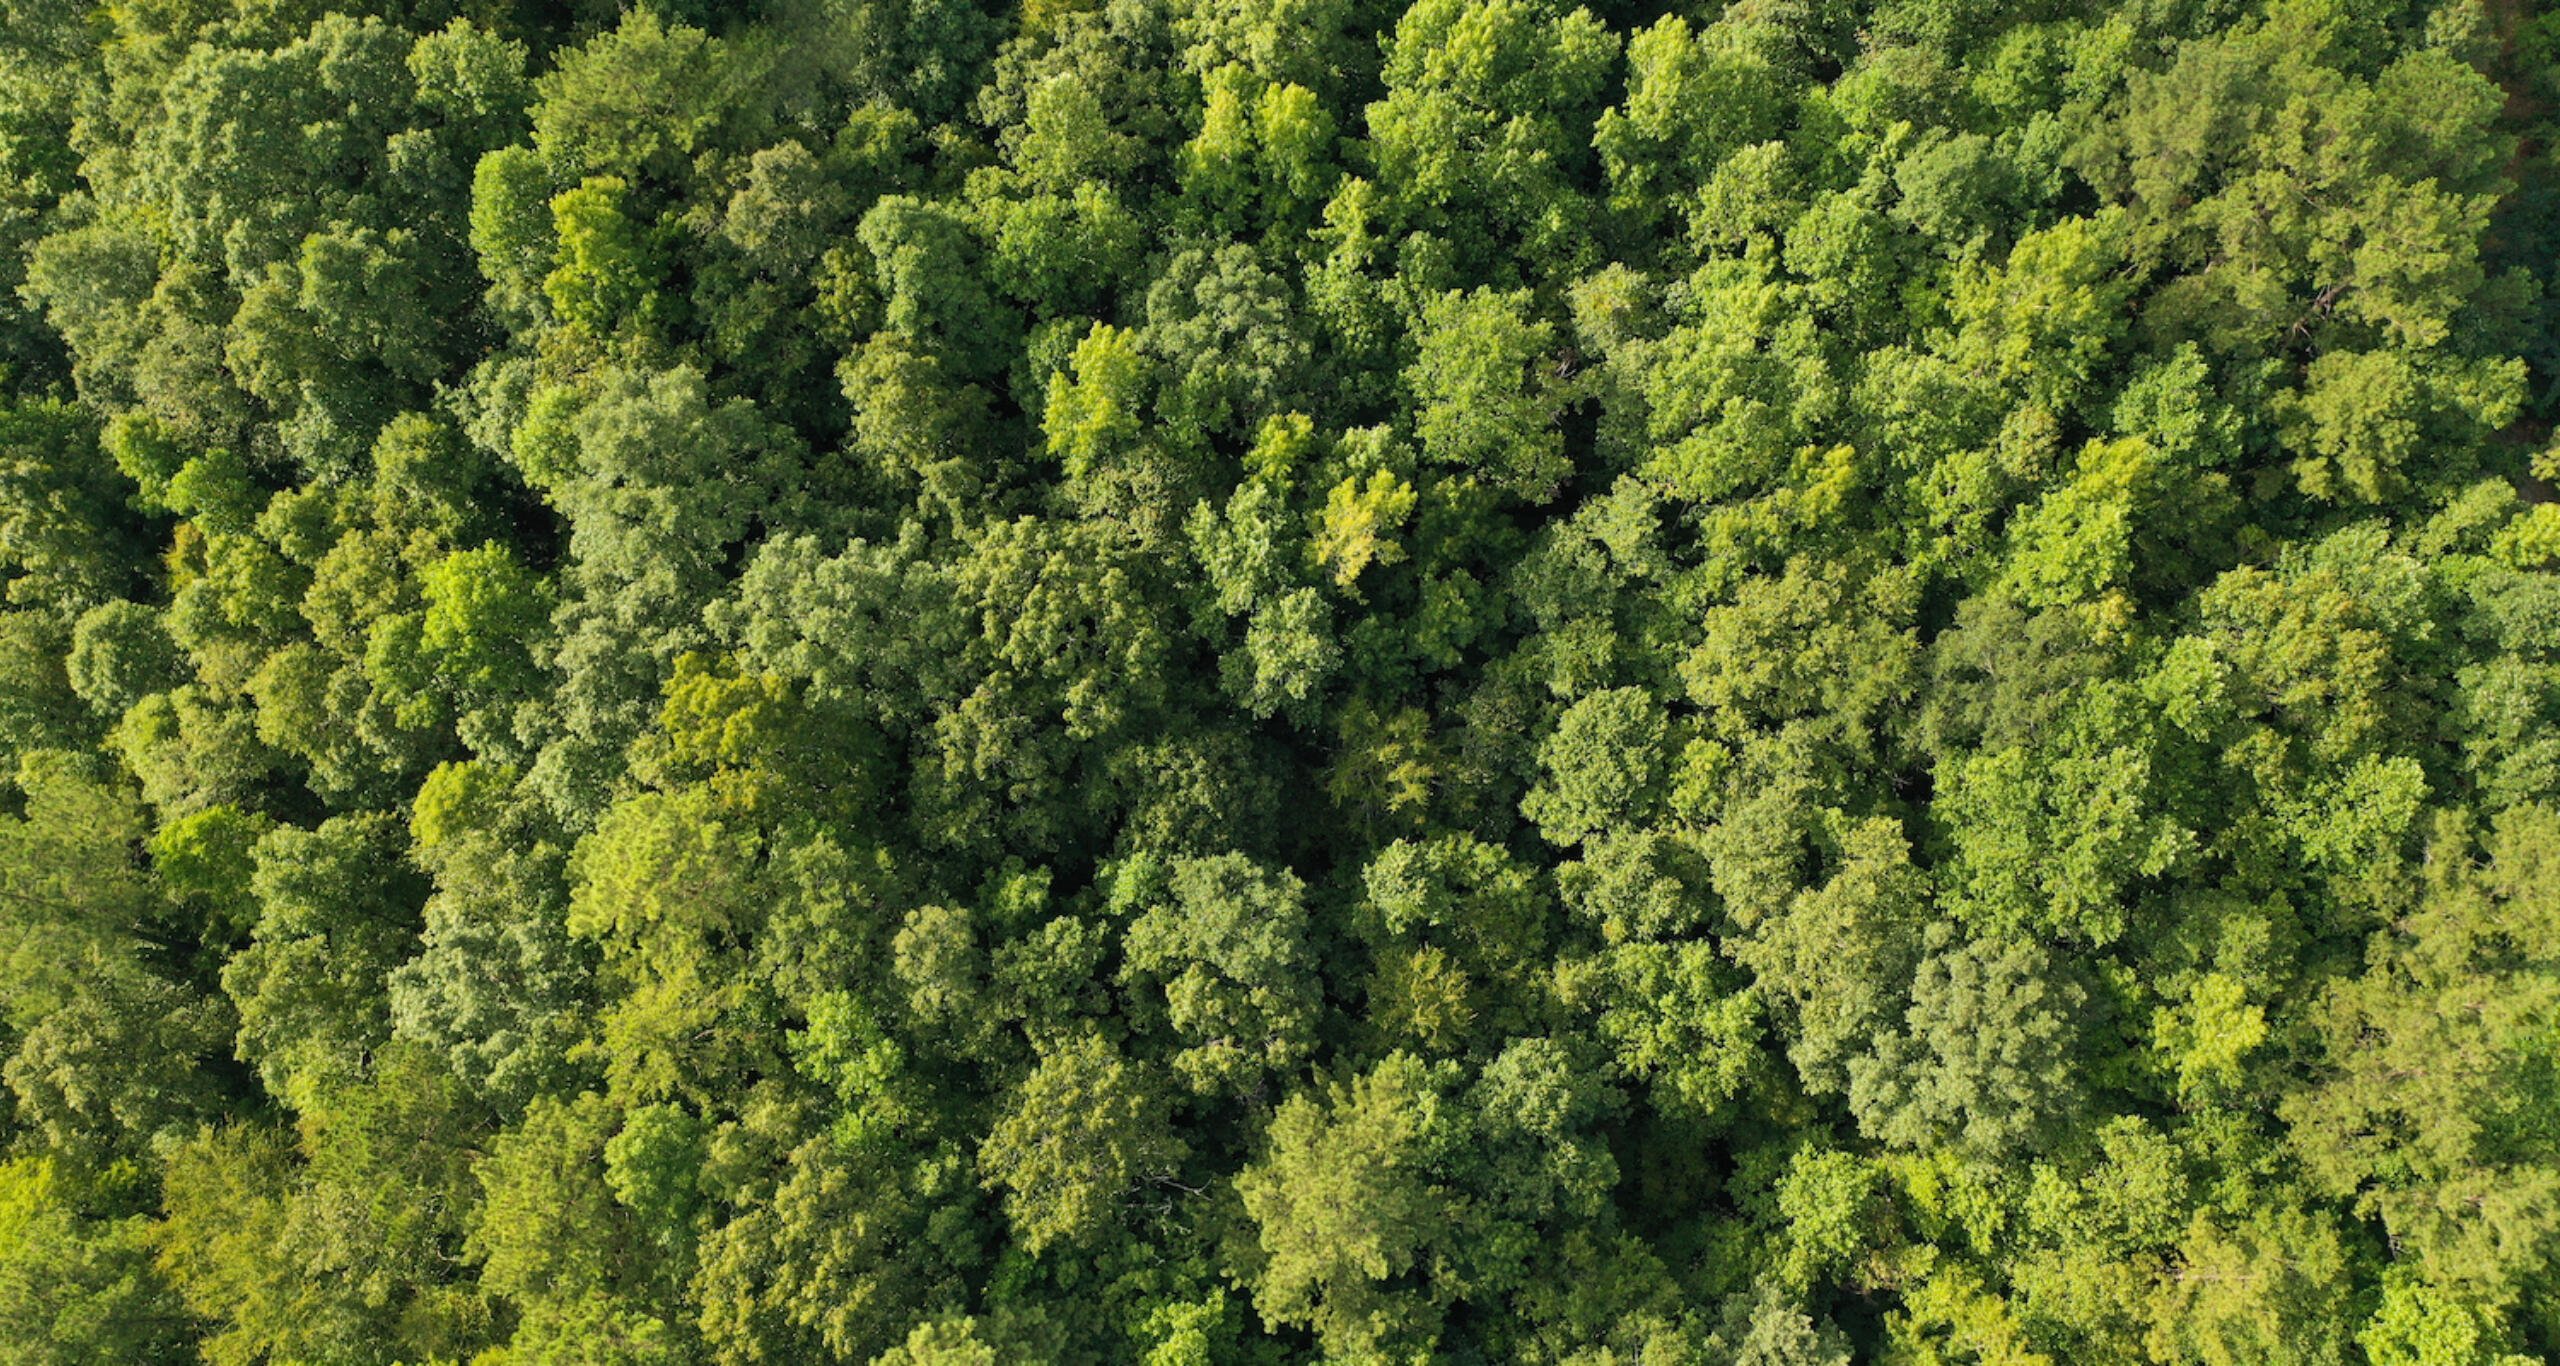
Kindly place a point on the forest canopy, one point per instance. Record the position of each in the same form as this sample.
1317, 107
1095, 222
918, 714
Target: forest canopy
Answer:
1605, 683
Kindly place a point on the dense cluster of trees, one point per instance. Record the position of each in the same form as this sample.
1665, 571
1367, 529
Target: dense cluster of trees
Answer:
1188, 681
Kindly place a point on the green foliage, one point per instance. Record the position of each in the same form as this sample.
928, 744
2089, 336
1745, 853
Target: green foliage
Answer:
76, 1279
1604, 767
1484, 406
1220, 952
1986, 1061
1346, 1208
1221, 681
607, 273
1084, 1130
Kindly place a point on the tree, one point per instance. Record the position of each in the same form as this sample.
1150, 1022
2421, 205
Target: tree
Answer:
551, 1238
1346, 1211
1083, 1131
2269, 1288
108, 1037
120, 653
924, 260
497, 984
668, 890
1605, 767
76, 1280
641, 98
1986, 1059
66, 541
1220, 954
1487, 407
1380, 1202
2410, 1111
1492, 109
336, 912
608, 272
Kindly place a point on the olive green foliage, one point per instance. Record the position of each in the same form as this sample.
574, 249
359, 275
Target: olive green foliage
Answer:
1234, 681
